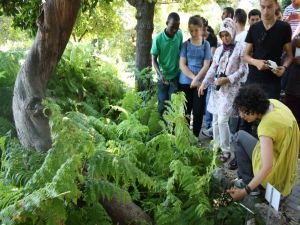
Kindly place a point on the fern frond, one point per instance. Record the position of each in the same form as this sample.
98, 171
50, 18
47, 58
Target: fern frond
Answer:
131, 102
177, 123
104, 127
89, 215
132, 128
97, 189
79, 141
160, 153
19, 163
9, 194
105, 165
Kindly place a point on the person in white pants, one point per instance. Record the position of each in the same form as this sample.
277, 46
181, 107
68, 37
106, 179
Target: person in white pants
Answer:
224, 74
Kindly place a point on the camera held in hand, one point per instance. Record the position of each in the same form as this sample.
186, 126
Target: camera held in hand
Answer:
218, 75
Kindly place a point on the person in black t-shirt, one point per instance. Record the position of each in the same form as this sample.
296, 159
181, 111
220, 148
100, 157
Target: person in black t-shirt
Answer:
266, 40
212, 39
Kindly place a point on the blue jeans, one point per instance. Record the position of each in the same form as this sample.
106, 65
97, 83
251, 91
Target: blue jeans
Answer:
164, 93
208, 116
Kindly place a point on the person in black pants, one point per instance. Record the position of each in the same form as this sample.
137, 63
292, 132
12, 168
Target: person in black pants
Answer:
266, 40
194, 62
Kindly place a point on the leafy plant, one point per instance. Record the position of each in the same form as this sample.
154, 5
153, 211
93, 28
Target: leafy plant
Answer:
158, 165
9, 67
84, 83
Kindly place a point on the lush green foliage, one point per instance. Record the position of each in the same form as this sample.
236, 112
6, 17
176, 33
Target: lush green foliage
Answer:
24, 13
158, 165
104, 148
83, 82
8, 33
285, 3
101, 21
97, 16
9, 66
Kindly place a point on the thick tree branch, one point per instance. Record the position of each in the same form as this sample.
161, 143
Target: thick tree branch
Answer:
55, 25
125, 213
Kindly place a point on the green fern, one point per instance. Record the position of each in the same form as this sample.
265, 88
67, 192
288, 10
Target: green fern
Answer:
177, 123
131, 102
84, 83
100, 189
19, 163
105, 165
94, 214
135, 158
9, 194
132, 128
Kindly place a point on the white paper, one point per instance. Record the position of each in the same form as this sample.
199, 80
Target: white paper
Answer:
275, 196
272, 65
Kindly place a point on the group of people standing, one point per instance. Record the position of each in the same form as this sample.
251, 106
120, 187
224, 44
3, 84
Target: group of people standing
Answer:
242, 77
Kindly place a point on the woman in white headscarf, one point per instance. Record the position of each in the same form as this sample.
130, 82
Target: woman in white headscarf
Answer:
224, 74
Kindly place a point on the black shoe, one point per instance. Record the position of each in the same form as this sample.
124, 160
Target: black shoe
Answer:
232, 165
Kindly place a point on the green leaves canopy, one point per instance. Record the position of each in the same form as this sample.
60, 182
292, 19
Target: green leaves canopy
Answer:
96, 15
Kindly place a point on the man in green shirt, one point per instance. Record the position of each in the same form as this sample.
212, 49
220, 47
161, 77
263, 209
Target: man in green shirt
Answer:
165, 59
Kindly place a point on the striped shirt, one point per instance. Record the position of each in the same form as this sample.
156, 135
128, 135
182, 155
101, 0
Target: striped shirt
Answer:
288, 11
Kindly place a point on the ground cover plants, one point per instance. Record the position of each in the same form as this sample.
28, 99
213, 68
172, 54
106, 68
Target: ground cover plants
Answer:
109, 142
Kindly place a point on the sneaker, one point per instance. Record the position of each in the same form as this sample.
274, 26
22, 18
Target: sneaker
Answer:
233, 164
207, 133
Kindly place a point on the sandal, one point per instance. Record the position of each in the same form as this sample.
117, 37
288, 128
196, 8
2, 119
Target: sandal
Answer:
225, 156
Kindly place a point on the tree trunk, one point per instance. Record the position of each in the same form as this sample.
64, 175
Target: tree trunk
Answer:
55, 25
144, 29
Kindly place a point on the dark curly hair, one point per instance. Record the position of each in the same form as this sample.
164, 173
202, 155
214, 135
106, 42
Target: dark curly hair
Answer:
251, 99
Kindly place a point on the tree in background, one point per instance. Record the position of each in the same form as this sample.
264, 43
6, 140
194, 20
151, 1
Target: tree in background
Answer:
144, 29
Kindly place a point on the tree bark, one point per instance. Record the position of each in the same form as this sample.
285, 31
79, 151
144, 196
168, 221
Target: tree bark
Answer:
125, 213
55, 25
144, 29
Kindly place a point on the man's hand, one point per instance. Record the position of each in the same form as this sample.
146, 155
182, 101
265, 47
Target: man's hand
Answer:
195, 83
236, 193
279, 71
201, 90
261, 64
294, 16
221, 81
163, 79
